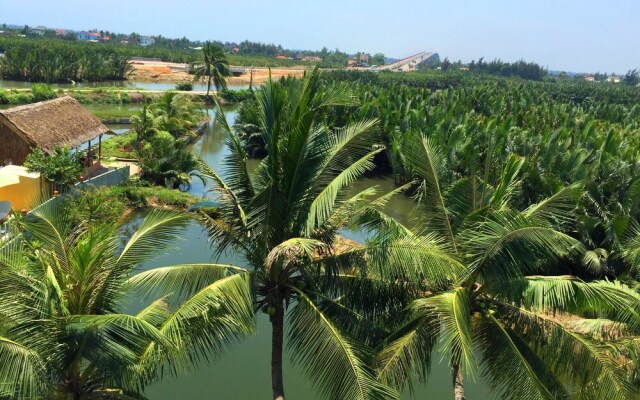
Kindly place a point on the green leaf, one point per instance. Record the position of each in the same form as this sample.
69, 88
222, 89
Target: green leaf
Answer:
336, 363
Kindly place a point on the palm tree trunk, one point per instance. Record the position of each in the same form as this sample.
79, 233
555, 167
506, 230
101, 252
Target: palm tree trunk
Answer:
208, 85
277, 338
458, 386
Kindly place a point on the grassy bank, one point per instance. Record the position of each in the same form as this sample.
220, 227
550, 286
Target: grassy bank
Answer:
105, 95
112, 204
120, 146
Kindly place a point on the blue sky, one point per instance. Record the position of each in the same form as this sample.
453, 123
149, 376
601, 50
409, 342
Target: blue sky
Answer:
571, 35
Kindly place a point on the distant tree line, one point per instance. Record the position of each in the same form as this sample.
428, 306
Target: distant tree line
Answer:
522, 69
59, 61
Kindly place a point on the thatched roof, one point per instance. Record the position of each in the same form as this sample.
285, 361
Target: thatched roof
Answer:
59, 122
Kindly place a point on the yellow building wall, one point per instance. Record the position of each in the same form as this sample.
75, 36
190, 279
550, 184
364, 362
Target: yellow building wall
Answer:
22, 195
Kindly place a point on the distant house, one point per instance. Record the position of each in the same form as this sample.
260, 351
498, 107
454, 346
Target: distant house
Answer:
235, 50
39, 30
146, 41
88, 36
590, 78
311, 58
105, 39
613, 79
60, 32
281, 57
352, 62
46, 125
363, 58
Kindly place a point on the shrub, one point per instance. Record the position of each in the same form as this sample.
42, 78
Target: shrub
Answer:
236, 96
20, 98
63, 167
95, 206
120, 146
186, 86
42, 92
82, 99
4, 99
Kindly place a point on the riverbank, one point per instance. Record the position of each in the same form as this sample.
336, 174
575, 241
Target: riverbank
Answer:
113, 95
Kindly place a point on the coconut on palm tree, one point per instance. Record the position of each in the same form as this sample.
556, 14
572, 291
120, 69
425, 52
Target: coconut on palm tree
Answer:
65, 331
214, 66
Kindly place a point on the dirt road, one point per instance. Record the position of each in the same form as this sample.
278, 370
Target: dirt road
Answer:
156, 71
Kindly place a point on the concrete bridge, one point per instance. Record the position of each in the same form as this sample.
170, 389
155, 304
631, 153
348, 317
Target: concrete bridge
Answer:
407, 64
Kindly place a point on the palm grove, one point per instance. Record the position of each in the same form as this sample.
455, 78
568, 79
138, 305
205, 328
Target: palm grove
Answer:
519, 265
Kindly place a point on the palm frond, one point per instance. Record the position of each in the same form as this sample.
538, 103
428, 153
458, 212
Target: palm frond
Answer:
22, 372
419, 259
453, 311
508, 245
559, 207
508, 182
324, 203
427, 162
203, 326
408, 351
512, 368
335, 363
583, 364
157, 231
179, 282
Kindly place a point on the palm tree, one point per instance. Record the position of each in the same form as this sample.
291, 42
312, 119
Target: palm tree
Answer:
537, 337
284, 222
214, 65
63, 330
174, 113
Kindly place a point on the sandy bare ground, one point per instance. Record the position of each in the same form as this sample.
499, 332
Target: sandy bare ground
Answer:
176, 73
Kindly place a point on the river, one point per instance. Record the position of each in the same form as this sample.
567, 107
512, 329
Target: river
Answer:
244, 372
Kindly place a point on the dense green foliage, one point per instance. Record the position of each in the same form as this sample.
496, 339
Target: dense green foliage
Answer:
39, 92
184, 86
163, 130
529, 191
65, 332
236, 96
108, 205
521, 69
60, 61
520, 262
63, 167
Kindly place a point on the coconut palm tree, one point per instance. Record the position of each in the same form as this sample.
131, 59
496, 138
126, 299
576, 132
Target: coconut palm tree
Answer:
284, 222
174, 113
214, 65
531, 335
64, 329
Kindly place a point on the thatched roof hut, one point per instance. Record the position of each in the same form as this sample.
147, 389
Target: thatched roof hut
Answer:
48, 124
